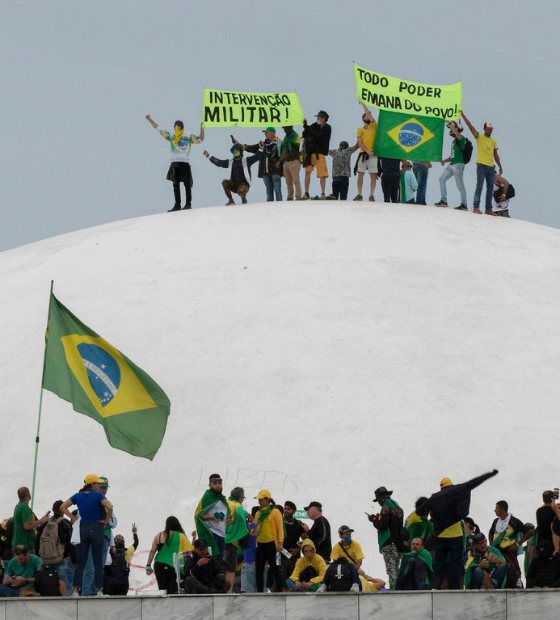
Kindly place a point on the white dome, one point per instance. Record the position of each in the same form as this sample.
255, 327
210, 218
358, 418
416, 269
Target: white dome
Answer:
319, 350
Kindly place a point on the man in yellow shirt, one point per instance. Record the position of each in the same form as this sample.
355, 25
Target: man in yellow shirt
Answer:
486, 153
270, 540
367, 161
348, 548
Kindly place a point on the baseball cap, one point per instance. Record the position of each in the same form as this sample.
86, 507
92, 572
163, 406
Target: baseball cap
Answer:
344, 528
263, 494
322, 114
488, 125
314, 505
445, 482
104, 482
213, 477
269, 129
92, 479
290, 504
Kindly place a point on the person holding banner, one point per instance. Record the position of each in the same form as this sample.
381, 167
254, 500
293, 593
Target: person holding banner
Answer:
270, 166
456, 167
317, 140
239, 181
367, 161
486, 153
180, 168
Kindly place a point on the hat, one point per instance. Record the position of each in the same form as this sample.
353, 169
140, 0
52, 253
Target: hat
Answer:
119, 540
92, 479
104, 482
445, 482
290, 504
488, 126
314, 505
214, 477
269, 129
344, 528
322, 114
381, 491
263, 494
200, 543
56, 506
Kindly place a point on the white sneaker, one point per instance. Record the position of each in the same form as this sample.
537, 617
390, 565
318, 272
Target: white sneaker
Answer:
321, 589
100, 593
355, 588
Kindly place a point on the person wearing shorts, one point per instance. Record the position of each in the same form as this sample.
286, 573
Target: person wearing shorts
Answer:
317, 140
367, 161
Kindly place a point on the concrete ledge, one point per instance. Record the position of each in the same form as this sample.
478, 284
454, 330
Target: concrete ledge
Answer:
456, 605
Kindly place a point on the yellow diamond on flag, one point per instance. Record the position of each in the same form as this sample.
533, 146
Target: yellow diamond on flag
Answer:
410, 135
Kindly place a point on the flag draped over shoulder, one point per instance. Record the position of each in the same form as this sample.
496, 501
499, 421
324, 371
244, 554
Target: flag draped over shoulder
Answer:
102, 383
208, 500
405, 136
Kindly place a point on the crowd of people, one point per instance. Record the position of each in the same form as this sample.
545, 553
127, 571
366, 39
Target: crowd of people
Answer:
438, 546
401, 180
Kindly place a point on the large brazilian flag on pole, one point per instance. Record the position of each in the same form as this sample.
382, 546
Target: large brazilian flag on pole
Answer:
102, 383
406, 136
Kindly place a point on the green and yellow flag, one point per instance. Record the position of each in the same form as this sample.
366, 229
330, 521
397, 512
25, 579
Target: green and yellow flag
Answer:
103, 384
405, 136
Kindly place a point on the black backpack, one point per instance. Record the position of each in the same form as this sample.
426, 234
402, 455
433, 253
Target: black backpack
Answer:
403, 541
509, 194
341, 576
119, 568
467, 151
47, 581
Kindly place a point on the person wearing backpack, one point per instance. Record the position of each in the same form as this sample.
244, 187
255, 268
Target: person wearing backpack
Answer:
49, 582
53, 542
503, 192
460, 155
341, 576
348, 548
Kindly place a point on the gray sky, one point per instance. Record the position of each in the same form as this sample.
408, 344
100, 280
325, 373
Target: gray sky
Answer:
77, 80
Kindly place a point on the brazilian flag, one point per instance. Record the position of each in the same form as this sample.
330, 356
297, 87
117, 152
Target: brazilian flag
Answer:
405, 136
103, 384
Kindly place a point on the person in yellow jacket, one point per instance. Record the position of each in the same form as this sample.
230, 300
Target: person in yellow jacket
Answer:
270, 540
309, 570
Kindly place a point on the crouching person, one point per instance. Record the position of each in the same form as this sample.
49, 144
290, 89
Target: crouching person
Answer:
309, 570
239, 181
341, 576
416, 571
203, 573
486, 566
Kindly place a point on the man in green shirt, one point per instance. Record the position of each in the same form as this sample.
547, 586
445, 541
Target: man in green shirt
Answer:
20, 572
24, 521
456, 167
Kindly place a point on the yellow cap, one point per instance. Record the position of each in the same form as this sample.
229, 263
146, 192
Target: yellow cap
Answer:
264, 494
92, 479
445, 482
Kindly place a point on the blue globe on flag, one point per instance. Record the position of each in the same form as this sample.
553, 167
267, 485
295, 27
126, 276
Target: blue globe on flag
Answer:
411, 134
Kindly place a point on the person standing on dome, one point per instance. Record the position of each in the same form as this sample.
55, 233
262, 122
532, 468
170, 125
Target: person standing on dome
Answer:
367, 161
456, 167
212, 515
270, 540
180, 168
317, 141
270, 164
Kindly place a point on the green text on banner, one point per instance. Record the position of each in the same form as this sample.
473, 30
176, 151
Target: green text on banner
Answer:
395, 95
224, 109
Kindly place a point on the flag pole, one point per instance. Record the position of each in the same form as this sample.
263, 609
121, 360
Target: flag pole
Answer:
37, 437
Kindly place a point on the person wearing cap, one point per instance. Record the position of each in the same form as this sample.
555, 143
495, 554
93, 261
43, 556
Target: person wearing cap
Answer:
341, 171
24, 521
503, 192
485, 566
180, 168
270, 540
309, 570
320, 532
347, 547
317, 141
92, 504
367, 161
415, 571
270, 165
456, 167
116, 573
69, 559
486, 153
203, 572
236, 530
448, 507
389, 524
290, 161
212, 515
409, 184
239, 181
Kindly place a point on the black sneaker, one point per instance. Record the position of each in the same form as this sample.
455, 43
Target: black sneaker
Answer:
358, 197
187, 206
441, 203
175, 208
461, 207
244, 201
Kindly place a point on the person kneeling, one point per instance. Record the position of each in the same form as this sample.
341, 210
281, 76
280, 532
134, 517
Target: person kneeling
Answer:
240, 172
486, 566
341, 576
309, 570
203, 573
416, 572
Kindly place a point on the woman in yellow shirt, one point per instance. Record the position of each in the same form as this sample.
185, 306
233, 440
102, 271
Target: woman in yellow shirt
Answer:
270, 540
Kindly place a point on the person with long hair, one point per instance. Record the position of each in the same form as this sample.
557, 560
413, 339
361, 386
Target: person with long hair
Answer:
169, 548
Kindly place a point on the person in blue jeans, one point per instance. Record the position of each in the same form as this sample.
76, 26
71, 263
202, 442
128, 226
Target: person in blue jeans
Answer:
486, 154
456, 167
95, 513
421, 170
270, 164
485, 566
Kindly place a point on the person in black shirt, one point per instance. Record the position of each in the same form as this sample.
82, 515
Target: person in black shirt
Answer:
544, 571
320, 533
545, 517
317, 141
203, 573
390, 178
240, 175
294, 529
